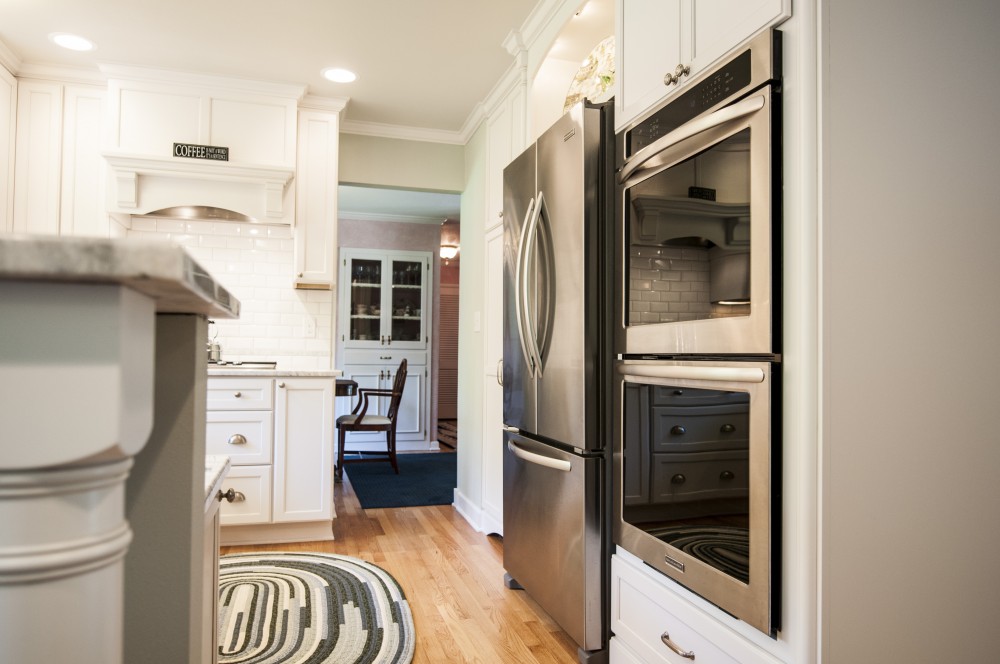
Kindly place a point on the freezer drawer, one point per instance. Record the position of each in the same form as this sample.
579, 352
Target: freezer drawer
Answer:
552, 533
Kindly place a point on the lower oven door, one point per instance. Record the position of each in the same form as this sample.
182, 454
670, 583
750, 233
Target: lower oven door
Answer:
696, 470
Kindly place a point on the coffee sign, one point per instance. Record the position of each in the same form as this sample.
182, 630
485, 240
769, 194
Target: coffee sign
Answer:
192, 151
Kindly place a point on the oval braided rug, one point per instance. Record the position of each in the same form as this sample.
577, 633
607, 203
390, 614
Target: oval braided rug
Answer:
311, 608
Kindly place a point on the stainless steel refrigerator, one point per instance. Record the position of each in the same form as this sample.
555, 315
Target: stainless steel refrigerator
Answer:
556, 359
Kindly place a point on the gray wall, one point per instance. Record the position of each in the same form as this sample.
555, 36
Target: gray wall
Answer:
910, 231
401, 164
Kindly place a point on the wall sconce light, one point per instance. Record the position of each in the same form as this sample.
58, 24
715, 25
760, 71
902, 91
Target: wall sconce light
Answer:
449, 251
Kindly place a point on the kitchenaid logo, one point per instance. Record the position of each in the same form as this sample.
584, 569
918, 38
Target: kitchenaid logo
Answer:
193, 151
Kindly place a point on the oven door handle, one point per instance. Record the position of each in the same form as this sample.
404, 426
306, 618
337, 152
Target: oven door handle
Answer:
539, 459
521, 287
636, 372
685, 131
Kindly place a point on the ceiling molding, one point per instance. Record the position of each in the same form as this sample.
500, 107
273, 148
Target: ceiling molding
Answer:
316, 103
210, 81
405, 133
63, 74
355, 215
9, 59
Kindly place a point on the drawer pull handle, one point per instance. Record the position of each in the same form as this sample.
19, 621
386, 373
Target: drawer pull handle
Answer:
237, 439
727, 428
232, 496
678, 479
677, 430
238, 395
686, 654
726, 475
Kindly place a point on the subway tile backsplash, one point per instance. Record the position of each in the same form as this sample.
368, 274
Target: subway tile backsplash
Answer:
255, 263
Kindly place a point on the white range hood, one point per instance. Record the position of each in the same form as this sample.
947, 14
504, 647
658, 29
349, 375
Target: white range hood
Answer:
144, 184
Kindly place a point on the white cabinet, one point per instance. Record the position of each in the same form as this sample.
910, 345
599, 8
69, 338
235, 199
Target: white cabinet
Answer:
316, 199
505, 136
8, 114
58, 168
377, 370
385, 299
653, 622
492, 513
278, 434
662, 45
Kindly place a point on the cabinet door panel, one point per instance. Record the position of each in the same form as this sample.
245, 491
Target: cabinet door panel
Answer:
648, 45
254, 482
303, 450
37, 157
242, 435
720, 25
409, 421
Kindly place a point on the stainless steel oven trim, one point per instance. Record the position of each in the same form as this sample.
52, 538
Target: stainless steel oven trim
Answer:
751, 602
751, 334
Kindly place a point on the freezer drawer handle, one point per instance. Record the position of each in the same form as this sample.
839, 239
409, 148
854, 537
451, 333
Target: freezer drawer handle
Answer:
531, 457
686, 654
637, 372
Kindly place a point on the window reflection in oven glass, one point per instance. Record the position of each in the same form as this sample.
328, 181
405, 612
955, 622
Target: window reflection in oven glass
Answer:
685, 471
689, 238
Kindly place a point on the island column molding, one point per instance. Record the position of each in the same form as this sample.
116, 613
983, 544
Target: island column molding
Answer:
78, 373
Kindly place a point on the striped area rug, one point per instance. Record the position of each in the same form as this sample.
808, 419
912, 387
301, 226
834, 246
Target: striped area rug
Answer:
311, 608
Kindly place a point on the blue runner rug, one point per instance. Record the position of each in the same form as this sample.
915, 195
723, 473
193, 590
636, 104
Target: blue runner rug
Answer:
424, 479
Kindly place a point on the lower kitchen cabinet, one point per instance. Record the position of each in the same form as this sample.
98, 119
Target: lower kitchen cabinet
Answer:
279, 435
377, 370
648, 610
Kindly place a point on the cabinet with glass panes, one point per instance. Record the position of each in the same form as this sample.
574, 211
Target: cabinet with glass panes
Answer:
384, 299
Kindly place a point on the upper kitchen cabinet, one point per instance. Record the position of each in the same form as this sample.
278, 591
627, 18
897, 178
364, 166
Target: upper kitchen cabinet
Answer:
58, 168
316, 197
662, 45
505, 136
8, 113
154, 114
384, 299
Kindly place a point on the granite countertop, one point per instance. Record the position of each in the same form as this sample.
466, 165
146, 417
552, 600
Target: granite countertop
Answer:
276, 373
163, 271
216, 469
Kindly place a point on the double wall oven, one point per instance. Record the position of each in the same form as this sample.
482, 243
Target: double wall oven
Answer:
697, 386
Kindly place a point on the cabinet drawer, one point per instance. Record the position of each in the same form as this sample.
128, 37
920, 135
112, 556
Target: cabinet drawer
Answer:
644, 607
240, 394
242, 435
254, 482
702, 428
386, 356
700, 476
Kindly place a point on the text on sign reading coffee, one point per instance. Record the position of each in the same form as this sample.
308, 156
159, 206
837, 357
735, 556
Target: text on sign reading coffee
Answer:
193, 151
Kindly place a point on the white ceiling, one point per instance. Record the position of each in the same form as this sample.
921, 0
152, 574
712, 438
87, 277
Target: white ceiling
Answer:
422, 64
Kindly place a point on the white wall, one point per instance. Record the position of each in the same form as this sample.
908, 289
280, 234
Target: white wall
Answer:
402, 164
910, 234
255, 263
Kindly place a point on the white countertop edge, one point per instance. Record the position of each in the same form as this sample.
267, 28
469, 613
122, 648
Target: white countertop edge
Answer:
216, 468
278, 373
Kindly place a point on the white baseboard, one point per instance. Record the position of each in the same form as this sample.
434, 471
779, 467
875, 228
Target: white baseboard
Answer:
469, 510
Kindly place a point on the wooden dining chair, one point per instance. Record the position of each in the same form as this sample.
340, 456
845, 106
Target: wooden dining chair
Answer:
361, 420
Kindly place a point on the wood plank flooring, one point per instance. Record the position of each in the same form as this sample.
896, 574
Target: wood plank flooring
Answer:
453, 578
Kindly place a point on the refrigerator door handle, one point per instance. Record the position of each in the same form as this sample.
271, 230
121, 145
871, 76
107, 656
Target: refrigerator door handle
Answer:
637, 372
538, 459
542, 325
530, 323
521, 286
720, 117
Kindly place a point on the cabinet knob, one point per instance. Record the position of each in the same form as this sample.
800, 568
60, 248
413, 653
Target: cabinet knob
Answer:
727, 428
388, 340
726, 475
675, 77
678, 479
237, 439
678, 393
232, 496
300, 275
677, 430
282, 384
238, 395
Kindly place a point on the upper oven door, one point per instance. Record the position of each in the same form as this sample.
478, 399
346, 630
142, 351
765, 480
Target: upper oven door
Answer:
697, 224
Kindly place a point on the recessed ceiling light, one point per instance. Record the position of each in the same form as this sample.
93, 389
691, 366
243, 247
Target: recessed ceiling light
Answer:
339, 75
72, 42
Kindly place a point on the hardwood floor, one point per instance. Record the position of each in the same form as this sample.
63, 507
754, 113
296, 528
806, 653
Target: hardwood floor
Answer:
453, 579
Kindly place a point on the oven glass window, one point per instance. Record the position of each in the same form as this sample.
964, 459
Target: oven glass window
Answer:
686, 471
688, 232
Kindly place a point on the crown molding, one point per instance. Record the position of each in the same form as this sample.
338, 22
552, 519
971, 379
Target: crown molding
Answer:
210, 81
405, 133
316, 103
381, 216
63, 74
9, 59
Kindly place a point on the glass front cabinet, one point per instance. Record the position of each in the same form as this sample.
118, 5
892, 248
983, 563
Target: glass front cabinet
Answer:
384, 314
386, 299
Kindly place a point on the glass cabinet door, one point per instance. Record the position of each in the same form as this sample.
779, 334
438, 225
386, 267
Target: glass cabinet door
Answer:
365, 313
407, 300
